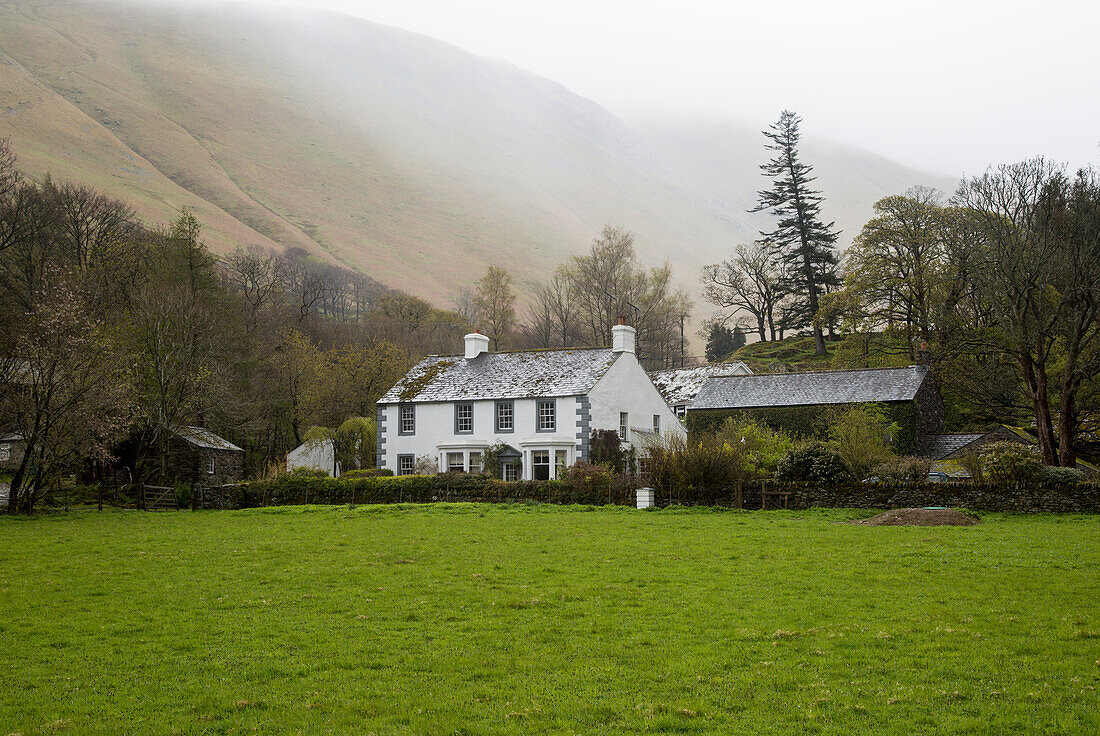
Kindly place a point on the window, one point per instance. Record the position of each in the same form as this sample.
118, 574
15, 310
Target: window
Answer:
540, 463
210, 465
560, 460
455, 462
407, 422
475, 462
624, 421
681, 411
464, 418
547, 416
656, 424
643, 466
405, 464
509, 471
506, 412
5, 453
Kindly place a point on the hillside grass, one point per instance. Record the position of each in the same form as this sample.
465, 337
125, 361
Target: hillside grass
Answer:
798, 353
473, 619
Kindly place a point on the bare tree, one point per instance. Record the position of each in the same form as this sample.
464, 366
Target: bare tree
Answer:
748, 282
496, 304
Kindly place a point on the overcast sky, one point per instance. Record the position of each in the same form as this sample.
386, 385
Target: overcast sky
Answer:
946, 86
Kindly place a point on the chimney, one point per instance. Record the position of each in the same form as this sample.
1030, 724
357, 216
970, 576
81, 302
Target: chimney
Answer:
622, 337
476, 344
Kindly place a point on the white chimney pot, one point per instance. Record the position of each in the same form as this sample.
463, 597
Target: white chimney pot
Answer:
622, 339
476, 344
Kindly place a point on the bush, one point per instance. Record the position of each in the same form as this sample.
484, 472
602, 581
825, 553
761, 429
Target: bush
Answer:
764, 447
861, 435
814, 462
974, 464
367, 473
303, 473
1059, 477
688, 468
1010, 462
606, 448
909, 469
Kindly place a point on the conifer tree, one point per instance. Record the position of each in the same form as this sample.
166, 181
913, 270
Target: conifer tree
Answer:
806, 245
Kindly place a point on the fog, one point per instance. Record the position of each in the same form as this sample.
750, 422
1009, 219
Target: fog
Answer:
946, 86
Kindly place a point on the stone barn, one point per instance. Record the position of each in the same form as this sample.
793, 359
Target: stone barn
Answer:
199, 457
800, 403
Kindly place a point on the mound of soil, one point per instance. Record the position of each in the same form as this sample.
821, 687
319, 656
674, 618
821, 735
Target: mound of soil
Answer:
920, 517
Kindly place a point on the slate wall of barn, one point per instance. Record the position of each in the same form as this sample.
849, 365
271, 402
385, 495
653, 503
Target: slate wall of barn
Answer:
188, 463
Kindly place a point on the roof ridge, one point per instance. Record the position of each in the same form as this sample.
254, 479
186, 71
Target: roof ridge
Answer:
517, 352
830, 370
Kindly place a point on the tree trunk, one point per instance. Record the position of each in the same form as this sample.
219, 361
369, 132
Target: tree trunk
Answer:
1036, 379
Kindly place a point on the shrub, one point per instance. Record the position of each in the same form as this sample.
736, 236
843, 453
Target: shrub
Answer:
1010, 462
606, 448
689, 467
304, 473
974, 464
814, 462
861, 435
908, 469
367, 473
1059, 477
425, 465
763, 446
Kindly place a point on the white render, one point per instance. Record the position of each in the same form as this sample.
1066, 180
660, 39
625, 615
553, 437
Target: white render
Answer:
626, 387
314, 455
622, 385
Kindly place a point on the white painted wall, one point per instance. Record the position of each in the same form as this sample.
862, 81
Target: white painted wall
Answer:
435, 435
627, 387
315, 455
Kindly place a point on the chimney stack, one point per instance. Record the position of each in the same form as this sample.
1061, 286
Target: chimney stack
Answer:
476, 344
622, 337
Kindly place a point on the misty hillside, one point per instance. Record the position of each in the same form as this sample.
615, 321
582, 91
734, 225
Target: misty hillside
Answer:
399, 155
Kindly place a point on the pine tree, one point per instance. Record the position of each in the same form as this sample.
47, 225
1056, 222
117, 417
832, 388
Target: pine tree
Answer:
722, 342
807, 246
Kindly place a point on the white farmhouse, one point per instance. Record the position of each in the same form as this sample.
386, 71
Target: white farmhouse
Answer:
542, 405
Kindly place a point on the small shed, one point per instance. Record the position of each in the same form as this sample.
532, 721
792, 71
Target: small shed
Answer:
319, 455
199, 457
12, 448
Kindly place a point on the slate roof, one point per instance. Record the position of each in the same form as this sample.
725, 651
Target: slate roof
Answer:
680, 385
516, 375
202, 437
808, 389
939, 446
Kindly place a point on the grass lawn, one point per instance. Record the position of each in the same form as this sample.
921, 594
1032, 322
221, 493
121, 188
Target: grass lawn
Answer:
529, 619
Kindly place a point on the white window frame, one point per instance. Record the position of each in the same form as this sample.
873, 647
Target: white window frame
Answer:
498, 425
406, 419
210, 465
540, 416
656, 424
451, 466
624, 426
549, 464
401, 460
474, 462
464, 418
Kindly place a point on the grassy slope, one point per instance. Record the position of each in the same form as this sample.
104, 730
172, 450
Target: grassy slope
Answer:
537, 620
397, 154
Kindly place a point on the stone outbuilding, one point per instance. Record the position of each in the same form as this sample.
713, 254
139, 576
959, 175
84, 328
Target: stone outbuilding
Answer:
798, 402
199, 457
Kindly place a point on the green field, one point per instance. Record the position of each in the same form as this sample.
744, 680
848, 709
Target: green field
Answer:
533, 619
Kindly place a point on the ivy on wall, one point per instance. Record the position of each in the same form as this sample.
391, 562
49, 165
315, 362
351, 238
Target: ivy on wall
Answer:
806, 422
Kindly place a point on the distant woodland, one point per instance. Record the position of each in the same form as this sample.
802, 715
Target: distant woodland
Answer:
112, 331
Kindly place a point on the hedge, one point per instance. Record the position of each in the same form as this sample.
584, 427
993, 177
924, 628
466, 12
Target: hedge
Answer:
455, 487
447, 487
